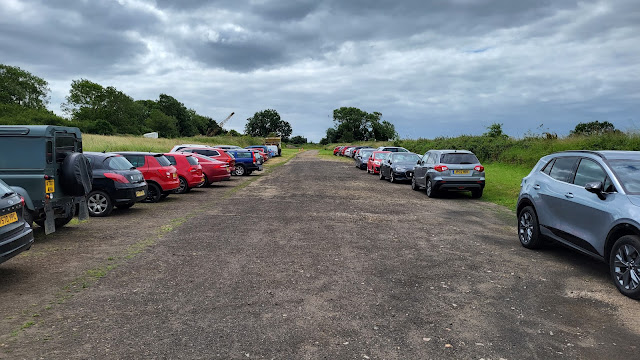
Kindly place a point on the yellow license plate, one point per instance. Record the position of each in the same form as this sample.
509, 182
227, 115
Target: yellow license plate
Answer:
8, 219
49, 186
460, 172
139, 193
175, 175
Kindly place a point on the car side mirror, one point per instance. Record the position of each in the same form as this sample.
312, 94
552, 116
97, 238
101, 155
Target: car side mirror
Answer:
418, 163
595, 188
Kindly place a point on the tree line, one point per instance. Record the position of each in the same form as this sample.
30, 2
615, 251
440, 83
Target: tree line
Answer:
353, 124
106, 110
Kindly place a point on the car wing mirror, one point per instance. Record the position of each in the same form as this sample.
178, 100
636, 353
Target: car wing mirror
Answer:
418, 163
595, 188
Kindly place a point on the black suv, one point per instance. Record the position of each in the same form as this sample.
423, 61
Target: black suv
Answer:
16, 235
45, 165
115, 182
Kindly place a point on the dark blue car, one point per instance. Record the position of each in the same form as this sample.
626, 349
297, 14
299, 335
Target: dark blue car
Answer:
246, 161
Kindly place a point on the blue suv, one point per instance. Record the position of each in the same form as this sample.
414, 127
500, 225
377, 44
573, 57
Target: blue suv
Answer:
590, 202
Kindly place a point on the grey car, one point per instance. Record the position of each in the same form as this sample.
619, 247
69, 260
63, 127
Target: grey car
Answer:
398, 166
590, 202
362, 157
449, 170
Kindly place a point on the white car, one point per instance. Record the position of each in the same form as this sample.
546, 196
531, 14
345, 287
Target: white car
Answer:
182, 146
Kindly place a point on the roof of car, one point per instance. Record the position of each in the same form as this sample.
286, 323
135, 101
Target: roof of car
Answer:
454, 151
138, 153
100, 154
605, 154
37, 130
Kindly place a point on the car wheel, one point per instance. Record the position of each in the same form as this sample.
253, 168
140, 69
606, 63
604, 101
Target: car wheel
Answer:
60, 222
154, 192
249, 172
414, 186
99, 204
125, 206
205, 181
184, 186
476, 194
528, 228
392, 178
240, 170
431, 192
624, 265
381, 177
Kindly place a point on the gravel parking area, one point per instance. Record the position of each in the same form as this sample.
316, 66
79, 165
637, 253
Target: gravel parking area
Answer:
316, 260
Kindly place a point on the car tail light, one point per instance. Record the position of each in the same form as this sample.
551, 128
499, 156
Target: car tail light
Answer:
193, 169
22, 200
254, 157
479, 168
440, 168
116, 177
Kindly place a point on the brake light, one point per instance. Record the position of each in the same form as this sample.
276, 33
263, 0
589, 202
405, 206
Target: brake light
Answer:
440, 168
254, 157
116, 177
479, 168
22, 200
193, 169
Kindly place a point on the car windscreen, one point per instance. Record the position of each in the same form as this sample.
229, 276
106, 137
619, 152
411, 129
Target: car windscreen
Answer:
163, 161
117, 163
628, 173
405, 158
192, 160
32, 153
365, 154
458, 158
380, 155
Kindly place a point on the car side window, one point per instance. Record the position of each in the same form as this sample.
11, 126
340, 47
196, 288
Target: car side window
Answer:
171, 159
589, 171
425, 158
135, 160
547, 168
432, 158
562, 169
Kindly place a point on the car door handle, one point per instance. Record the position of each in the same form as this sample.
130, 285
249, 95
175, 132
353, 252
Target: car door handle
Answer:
536, 187
569, 195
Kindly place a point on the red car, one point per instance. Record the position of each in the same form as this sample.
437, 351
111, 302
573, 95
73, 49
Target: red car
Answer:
218, 154
189, 171
344, 149
213, 170
373, 165
336, 150
161, 176
265, 157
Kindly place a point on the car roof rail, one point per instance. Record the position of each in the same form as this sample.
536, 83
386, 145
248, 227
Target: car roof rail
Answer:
582, 151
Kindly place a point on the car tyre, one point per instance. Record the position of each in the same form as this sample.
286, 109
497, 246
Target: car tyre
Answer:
529, 229
240, 170
392, 177
99, 204
431, 192
414, 185
624, 265
60, 222
154, 193
381, 177
476, 194
183, 188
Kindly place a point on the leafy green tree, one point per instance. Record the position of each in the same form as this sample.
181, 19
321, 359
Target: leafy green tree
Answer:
594, 128
234, 133
353, 124
298, 140
495, 131
100, 127
165, 125
88, 101
20, 87
172, 107
266, 122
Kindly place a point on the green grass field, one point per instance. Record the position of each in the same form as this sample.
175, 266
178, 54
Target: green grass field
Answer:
503, 183
138, 143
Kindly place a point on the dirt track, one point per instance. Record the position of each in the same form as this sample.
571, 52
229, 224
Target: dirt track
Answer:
315, 260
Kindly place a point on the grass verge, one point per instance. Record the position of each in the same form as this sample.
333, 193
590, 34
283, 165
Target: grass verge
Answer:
503, 183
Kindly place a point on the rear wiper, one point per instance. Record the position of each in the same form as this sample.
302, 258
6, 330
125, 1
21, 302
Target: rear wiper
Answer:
465, 163
7, 194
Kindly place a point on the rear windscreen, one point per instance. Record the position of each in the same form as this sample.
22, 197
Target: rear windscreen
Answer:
458, 159
117, 163
192, 160
243, 155
163, 161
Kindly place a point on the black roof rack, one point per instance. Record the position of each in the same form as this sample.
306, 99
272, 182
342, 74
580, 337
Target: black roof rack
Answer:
583, 151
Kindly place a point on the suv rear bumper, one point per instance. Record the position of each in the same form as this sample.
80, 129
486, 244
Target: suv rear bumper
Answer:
16, 244
459, 185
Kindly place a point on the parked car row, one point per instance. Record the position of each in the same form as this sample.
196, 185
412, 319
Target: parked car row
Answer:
588, 201
51, 180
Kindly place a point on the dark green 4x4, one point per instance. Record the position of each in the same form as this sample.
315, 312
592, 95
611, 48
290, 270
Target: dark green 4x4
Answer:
45, 165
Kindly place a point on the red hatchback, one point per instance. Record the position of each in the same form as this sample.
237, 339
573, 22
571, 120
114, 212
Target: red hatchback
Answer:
213, 170
373, 165
218, 154
161, 176
189, 171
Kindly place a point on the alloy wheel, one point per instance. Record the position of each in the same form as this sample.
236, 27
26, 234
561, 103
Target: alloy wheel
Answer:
626, 266
525, 228
97, 203
183, 186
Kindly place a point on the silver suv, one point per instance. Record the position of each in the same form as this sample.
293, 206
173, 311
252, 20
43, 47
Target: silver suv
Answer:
590, 202
449, 170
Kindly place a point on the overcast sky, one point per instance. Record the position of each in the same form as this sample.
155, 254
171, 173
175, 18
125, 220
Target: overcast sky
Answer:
431, 67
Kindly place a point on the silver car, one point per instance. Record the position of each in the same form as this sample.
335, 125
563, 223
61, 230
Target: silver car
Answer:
362, 157
590, 202
449, 170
